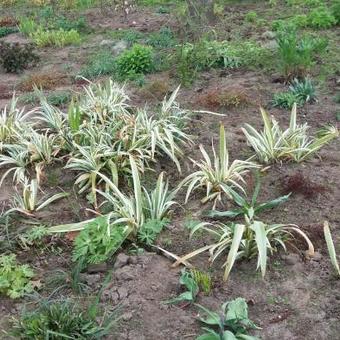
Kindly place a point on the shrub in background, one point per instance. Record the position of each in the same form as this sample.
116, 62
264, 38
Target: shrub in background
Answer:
58, 38
321, 17
7, 30
135, 61
16, 57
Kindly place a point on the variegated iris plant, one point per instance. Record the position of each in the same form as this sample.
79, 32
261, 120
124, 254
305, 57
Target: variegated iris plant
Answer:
218, 175
293, 144
99, 135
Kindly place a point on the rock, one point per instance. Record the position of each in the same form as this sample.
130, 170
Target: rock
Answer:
127, 316
317, 257
268, 35
122, 292
121, 261
119, 47
107, 43
91, 280
97, 268
270, 45
124, 274
291, 259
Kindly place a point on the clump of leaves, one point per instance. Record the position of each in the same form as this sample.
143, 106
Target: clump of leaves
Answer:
15, 279
192, 288
227, 98
321, 17
151, 229
98, 241
203, 280
7, 30
55, 320
135, 61
251, 207
163, 39
299, 184
45, 81
33, 237
297, 55
16, 57
102, 63
57, 38
299, 93
292, 144
232, 322
8, 21
218, 175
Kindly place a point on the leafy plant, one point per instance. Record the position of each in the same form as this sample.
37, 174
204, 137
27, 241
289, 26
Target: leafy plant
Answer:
27, 202
303, 90
58, 38
293, 144
331, 248
135, 61
218, 176
285, 100
127, 211
245, 241
7, 30
188, 281
15, 279
321, 17
61, 319
231, 323
102, 63
296, 56
202, 279
149, 231
250, 208
98, 241
300, 92
27, 26
15, 57
251, 16
162, 39
33, 237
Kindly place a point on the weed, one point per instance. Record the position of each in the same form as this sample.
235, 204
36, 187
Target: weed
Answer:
43, 81
102, 63
335, 8
251, 16
231, 322
15, 57
297, 55
15, 279
189, 296
59, 98
55, 320
285, 100
7, 30
203, 280
321, 17
162, 39
58, 38
33, 238
150, 230
227, 98
98, 241
135, 61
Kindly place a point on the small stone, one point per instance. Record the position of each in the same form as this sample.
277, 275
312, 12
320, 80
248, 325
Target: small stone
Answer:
119, 47
291, 259
317, 257
124, 274
121, 261
122, 292
107, 43
97, 268
268, 35
271, 45
127, 316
